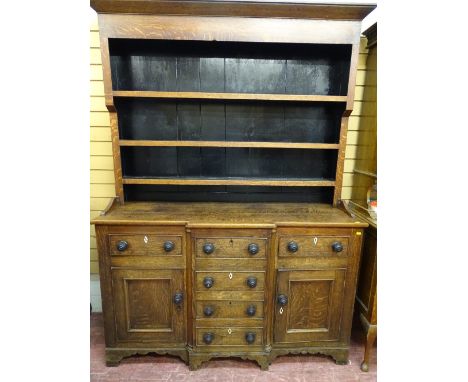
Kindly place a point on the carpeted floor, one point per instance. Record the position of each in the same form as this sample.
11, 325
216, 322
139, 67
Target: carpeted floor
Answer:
293, 368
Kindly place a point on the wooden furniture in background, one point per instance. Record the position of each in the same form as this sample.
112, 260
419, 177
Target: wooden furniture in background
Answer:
365, 176
229, 124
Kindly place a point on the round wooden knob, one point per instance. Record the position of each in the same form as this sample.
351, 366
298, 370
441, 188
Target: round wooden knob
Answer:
337, 246
208, 248
252, 282
251, 310
292, 246
122, 245
178, 298
253, 248
168, 246
250, 337
208, 282
208, 338
208, 311
282, 299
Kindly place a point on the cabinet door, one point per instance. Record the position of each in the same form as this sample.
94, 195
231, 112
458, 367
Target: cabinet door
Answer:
311, 309
146, 306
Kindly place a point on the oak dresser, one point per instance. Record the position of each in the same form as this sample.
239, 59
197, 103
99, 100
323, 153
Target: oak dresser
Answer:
229, 123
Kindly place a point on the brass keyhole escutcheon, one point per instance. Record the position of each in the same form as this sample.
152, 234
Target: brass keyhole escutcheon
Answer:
281, 310
145, 239
229, 331
230, 276
315, 241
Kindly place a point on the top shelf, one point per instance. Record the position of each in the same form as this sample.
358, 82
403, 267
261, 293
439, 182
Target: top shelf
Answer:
229, 96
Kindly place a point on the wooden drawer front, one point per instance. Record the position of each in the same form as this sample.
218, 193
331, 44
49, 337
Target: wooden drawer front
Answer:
145, 245
232, 247
229, 281
229, 336
229, 309
312, 245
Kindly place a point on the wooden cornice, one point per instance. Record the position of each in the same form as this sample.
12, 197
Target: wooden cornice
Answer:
258, 8
371, 34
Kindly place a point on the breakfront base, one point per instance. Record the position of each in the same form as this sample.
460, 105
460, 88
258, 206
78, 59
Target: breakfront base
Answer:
340, 355
197, 358
115, 355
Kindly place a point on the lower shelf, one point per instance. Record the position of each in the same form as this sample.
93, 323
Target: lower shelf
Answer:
232, 182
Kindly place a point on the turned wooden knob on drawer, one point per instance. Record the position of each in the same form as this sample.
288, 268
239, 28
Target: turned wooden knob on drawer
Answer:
292, 246
252, 282
208, 248
208, 311
251, 310
122, 245
208, 282
208, 338
337, 246
178, 298
250, 337
282, 299
253, 248
169, 246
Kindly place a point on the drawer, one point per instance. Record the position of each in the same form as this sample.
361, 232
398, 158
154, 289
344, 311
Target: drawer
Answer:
310, 245
235, 280
240, 247
145, 245
229, 336
229, 309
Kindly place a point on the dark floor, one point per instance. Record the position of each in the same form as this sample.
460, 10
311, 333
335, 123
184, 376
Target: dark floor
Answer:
302, 368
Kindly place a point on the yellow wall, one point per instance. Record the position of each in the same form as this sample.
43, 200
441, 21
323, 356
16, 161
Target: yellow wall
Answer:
361, 143
102, 175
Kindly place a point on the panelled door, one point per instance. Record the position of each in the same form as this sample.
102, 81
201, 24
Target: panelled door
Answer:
308, 305
149, 305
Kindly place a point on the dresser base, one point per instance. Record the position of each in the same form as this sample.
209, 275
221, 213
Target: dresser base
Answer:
115, 355
197, 358
340, 355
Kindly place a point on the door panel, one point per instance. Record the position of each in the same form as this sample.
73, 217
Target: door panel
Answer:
144, 305
313, 308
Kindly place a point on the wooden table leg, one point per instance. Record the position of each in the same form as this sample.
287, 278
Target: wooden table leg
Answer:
371, 335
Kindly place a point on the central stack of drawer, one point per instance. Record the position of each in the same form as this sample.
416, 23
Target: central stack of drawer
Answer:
229, 278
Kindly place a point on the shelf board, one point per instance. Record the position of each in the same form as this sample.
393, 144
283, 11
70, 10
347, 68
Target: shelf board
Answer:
231, 182
364, 216
367, 173
273, 145
229, 96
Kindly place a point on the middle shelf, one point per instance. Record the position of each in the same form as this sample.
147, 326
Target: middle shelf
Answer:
229, 96
278, 145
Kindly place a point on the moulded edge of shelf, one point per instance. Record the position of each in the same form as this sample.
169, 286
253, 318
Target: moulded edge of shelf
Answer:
230, 96
234, 144
229, 182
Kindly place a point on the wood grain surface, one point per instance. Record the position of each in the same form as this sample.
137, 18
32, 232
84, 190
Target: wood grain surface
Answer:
236, 214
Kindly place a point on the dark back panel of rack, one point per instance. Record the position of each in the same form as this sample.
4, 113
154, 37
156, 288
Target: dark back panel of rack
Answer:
228, 162
232, 67
151, 119
137, 192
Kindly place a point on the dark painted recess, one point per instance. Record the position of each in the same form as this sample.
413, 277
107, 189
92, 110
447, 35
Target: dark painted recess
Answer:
232, 67
134, 192
187, 162
152, 119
